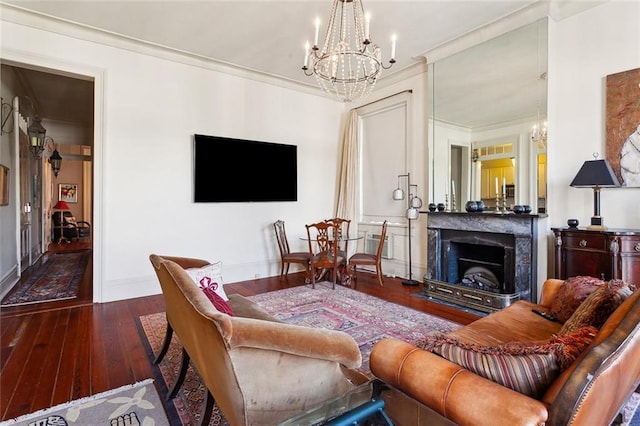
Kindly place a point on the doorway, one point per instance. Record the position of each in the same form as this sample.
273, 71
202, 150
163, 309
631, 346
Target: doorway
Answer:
65, 104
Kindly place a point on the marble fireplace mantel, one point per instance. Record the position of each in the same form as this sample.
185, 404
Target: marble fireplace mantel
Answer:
517, 233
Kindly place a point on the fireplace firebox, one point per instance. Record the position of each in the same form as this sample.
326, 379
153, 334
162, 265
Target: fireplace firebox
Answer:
483, 261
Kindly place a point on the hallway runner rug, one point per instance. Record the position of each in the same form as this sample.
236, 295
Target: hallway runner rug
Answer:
59, 278
366, 318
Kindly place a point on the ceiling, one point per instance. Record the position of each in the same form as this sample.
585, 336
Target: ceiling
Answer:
264, 36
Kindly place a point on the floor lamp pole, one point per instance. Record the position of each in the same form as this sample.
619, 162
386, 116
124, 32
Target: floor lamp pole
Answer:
410, 280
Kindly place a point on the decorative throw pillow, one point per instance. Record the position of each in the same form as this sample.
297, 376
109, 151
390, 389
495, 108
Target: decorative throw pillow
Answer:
571, 294
209, 276
220, 304
597, 307
526, 367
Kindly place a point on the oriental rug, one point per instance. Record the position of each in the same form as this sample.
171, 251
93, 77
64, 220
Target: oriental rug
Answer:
136, 404
58, 279
366, 318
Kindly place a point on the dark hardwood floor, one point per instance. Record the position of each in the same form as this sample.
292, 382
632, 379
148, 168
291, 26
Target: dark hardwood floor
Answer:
59, 351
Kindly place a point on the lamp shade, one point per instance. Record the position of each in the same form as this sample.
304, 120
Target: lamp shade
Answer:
61, 205
595, 173
398, 194
412, 213
416, 202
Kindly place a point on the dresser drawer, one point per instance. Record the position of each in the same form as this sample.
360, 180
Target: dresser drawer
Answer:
630, 244
585, 241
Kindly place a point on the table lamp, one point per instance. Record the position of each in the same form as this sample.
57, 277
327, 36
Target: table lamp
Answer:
595, 174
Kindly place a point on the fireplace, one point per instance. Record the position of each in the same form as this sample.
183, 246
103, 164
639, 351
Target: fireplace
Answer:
483, 261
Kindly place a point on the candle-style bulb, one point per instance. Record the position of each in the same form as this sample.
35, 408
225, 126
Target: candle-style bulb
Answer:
315, 43
306, 54
367, 26
394, 39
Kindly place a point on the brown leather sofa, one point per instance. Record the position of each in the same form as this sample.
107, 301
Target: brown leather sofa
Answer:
258, 370
428, 389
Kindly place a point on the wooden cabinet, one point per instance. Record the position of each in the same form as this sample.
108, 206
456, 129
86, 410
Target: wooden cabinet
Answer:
609, 254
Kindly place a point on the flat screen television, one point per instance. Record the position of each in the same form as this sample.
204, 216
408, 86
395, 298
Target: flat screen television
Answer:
237, 170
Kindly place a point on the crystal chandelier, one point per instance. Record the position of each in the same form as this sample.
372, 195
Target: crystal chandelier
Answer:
539, 135
348, 64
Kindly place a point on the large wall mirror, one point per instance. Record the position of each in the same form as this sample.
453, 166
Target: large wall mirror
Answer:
487, 127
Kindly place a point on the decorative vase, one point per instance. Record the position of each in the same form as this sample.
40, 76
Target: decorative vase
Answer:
480, 205
440, 207
471, 206
518, 209
573, 223
432, 207
527, 208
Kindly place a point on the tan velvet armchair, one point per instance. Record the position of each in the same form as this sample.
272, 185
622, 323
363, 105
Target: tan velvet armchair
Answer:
258, 371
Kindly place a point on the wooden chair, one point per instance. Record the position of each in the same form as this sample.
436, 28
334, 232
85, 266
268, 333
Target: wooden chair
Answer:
326, 255
362, 259
342, 229
286, 256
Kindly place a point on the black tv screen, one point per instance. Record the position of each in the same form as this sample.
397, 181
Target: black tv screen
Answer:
238, 170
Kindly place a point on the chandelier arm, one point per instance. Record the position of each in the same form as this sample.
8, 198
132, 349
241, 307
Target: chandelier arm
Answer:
391, 62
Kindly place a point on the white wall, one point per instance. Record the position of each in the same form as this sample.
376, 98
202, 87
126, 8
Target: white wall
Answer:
417, 162
151, 107
584, 49
8, 217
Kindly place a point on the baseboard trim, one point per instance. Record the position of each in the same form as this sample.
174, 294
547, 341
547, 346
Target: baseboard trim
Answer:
9, 281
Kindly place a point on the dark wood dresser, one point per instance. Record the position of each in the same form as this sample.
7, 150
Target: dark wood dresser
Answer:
608, 254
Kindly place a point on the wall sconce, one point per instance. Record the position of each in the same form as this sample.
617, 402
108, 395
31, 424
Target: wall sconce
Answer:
36, 133
6, 125
413, 204
595, 174
55, 160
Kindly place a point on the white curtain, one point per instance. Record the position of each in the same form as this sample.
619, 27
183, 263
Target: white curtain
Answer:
347, 199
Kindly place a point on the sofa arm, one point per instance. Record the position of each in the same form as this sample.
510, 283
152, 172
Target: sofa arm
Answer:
309, 342
550, 291
453, 392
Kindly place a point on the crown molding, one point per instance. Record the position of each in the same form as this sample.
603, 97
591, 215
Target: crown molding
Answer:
554, 9
43, 22
524, 16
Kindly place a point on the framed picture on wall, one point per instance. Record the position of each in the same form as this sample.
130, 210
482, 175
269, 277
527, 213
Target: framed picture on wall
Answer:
4, 185
68, 192
623, 126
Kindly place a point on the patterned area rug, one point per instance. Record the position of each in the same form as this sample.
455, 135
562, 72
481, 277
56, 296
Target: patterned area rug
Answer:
137, 404
59, 278
366, 318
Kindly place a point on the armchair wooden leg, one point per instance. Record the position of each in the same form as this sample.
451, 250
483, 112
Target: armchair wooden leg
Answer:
165, 346
207, 409
184, 366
